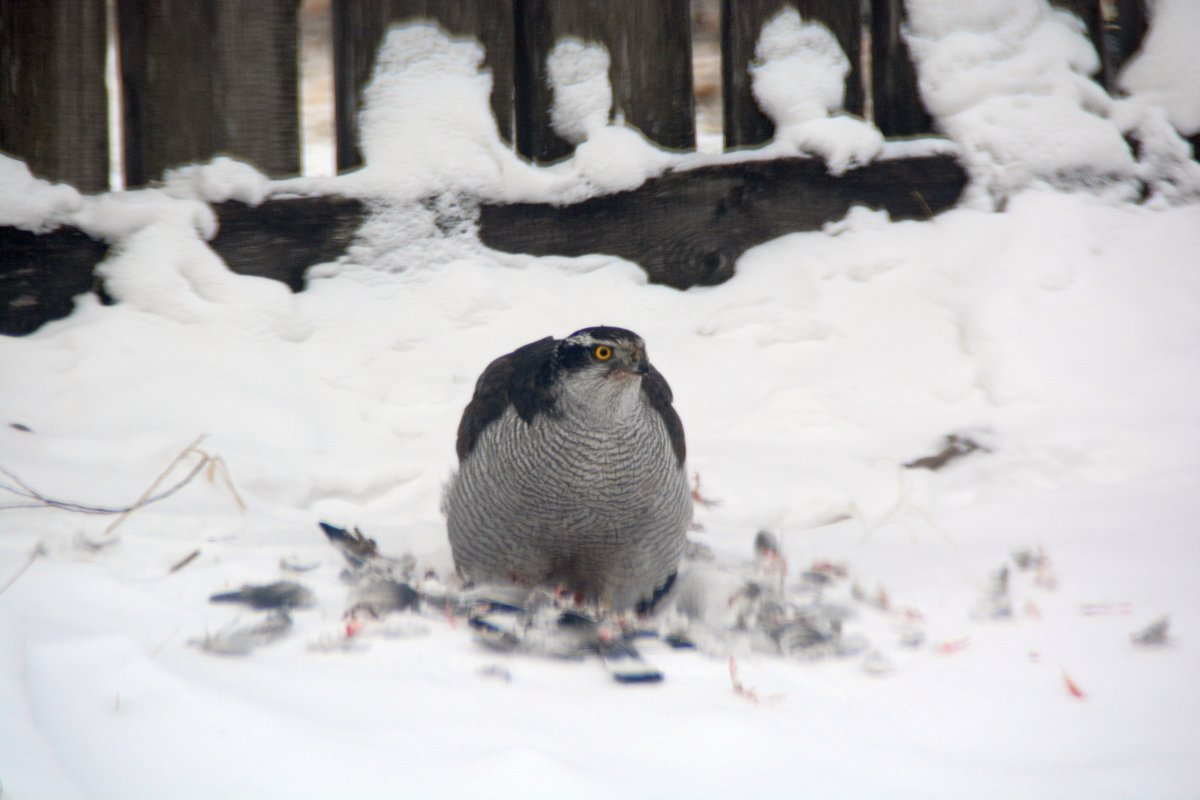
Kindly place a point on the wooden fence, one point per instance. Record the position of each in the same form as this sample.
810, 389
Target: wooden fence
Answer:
200, 78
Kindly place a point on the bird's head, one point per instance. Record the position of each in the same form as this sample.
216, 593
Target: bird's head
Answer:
607, 351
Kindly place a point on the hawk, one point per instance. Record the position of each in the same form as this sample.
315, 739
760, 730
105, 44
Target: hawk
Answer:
571, 472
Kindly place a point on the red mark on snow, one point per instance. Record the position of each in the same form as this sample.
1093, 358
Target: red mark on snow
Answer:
1073, 687
743, 692
953, 646
830, 568
698, 497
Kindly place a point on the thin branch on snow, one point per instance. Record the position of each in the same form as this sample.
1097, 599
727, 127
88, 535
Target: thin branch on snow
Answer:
39, 550
183, 562
215, 464
146, 495
39, 500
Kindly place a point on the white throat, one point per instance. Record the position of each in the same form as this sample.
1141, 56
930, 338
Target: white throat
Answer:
602, 396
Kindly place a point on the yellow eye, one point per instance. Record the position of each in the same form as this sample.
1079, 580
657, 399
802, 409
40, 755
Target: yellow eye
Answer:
602, 352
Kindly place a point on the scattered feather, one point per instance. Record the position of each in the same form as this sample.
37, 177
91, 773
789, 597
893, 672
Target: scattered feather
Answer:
239, 640
281, 594
1154, 634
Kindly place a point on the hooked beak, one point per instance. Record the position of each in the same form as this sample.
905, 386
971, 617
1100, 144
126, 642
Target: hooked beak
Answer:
635, 364
638, 364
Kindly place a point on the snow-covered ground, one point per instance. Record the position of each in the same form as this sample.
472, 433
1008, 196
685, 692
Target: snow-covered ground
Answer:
1062, 335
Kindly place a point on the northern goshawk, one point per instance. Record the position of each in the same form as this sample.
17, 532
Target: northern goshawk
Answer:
571, 472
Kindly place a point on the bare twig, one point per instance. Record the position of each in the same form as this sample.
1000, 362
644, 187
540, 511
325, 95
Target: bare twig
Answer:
920, 198
40, 500
183, 562
216, 466
146, 495
37, 551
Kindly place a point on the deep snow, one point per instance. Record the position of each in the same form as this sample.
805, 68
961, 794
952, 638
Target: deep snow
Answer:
1063, 334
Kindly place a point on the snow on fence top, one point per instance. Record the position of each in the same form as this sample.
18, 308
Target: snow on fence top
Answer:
198, 80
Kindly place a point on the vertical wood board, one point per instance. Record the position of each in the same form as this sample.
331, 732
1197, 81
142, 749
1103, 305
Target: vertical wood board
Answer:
650, 68
53, 100
898, 109
359, 27
201, 79
741, 24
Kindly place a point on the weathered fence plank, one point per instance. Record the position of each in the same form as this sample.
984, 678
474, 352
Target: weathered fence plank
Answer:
40, 275
358, 30
281, 239
1093, 20
689, 228
1115, 41
741, 24
1131, 29
201, 79
650, 52
896, 98
684, 228
358, 27
53, 105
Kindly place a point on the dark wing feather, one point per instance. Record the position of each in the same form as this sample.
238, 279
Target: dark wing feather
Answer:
658, 392
522, 378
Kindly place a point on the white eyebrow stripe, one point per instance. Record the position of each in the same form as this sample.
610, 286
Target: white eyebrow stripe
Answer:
585, 339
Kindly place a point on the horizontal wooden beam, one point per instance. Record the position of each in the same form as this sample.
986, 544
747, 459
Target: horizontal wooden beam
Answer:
40, 274
281, 239
688, 228
685, 228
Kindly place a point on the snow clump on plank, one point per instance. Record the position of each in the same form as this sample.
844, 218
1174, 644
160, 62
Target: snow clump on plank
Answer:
1010, 83
582, 92
799, 79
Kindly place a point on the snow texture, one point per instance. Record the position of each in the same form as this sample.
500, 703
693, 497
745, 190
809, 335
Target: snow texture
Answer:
1165, 71
217, 181
1009, 81
609, 156
799, 77
1060, 335
578, 75
30, 203
427, 121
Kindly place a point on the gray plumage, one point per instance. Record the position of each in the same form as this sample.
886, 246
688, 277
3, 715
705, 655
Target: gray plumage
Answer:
571, 471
